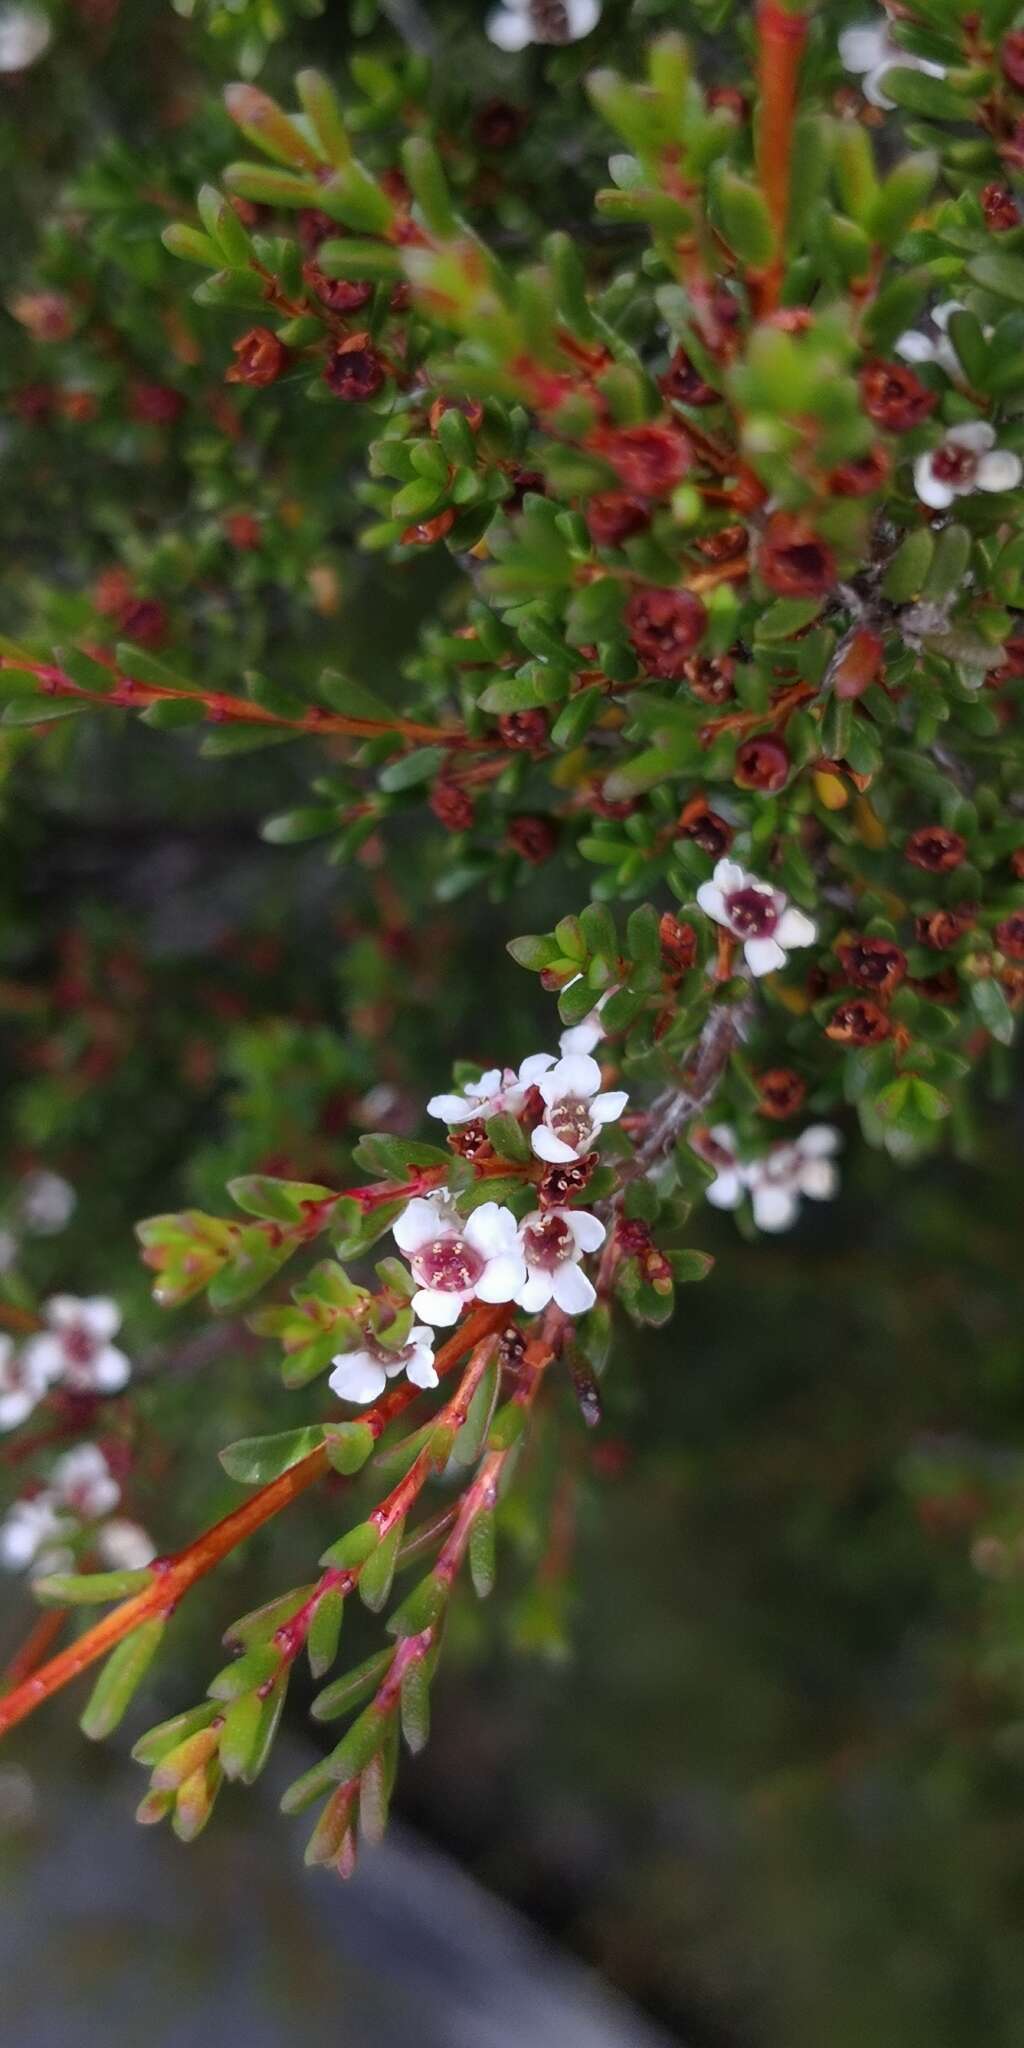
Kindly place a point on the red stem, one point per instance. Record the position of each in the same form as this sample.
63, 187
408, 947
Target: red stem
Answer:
781, 37
172, 1577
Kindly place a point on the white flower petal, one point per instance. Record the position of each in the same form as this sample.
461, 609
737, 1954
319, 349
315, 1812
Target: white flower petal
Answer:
357, 1376
607, 1108
915, 347
1000, 470
100, 1316
588, 1230
862, 46
819, 1141
451, 1109
502, 1278
535, 1293
572, 1291
125, 1546
764, 956
819, 1179
795, 929
974, 434
421, 1369
775, 1208
509, 32
712, 902
15, 1407
42, 1360
536, 1064
491, 1230
726, 1190
110, 1370
577, 1076
547, 1146
422, 1219
928, 486
440, 1309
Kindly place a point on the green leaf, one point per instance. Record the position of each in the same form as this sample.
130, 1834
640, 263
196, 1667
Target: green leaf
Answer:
85, 1589
920, 94
279, 1201
353, 700
1000, 274
325, 1631
508, 1139
908, 567
348, 1445
354, 1686
481, 1552
254, 1460
415, 1706
421, 765
379, 1569
256, 1666
120, 1678
990, 1002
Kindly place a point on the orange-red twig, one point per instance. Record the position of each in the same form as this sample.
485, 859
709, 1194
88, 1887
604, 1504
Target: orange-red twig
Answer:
781, 35
172, 1577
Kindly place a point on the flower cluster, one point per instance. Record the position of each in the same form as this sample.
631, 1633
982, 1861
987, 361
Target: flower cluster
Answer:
774, 1180
73, 1350
74, 1508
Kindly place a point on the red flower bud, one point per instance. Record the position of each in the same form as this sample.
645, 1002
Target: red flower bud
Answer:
1010, 935
650, 460
697, 821
315, 227
452, 806
498, 125
860, 477
242, 530
144, 620
941, 929
664, 627
935, 848
340, 294
261, 358
761, 763
858, 665
1011, 57
725, 545
683, 382
893, 397
781, 1092
354, 369
792, 559
533, 837
157, 405
678, 945
999, 208
859, 1022
559, 1184
612, 516
527, 729
425, 531
46, 316
873, 963
710, 677
470, 408
34, 403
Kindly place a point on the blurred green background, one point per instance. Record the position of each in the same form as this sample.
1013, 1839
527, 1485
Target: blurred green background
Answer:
749, 1742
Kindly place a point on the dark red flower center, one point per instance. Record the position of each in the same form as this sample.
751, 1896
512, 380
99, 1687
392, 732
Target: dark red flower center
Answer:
751, 913
449, 1264
572, 1120
954, 464
548, 1244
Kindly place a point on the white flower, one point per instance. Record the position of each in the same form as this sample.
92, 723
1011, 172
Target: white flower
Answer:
25, 33
124, 1546
869, 51
916, 347
553, 1243
363, 1375
583, 1037
762, 916
574, 1109
83, 1483
23, 1382
499, 1089
26, 1528
806, 1167
457, 1259
45, 1202
76, 1347
967, 460
520, 22
718, 1147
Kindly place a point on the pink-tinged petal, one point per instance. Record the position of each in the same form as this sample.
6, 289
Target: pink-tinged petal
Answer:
110, 1370
728, 875
63, 1311
929, 488
535, 1293
421, 1369
795, 929
502, 1278
775, 1208
588, 1230
357, 1377
573, 1292
547, 1146
764, 956
999, 471
491, 1230
712, 902
442, 1310
421, 1220
974, 434
607, 1109
725, 1191
535, 1064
